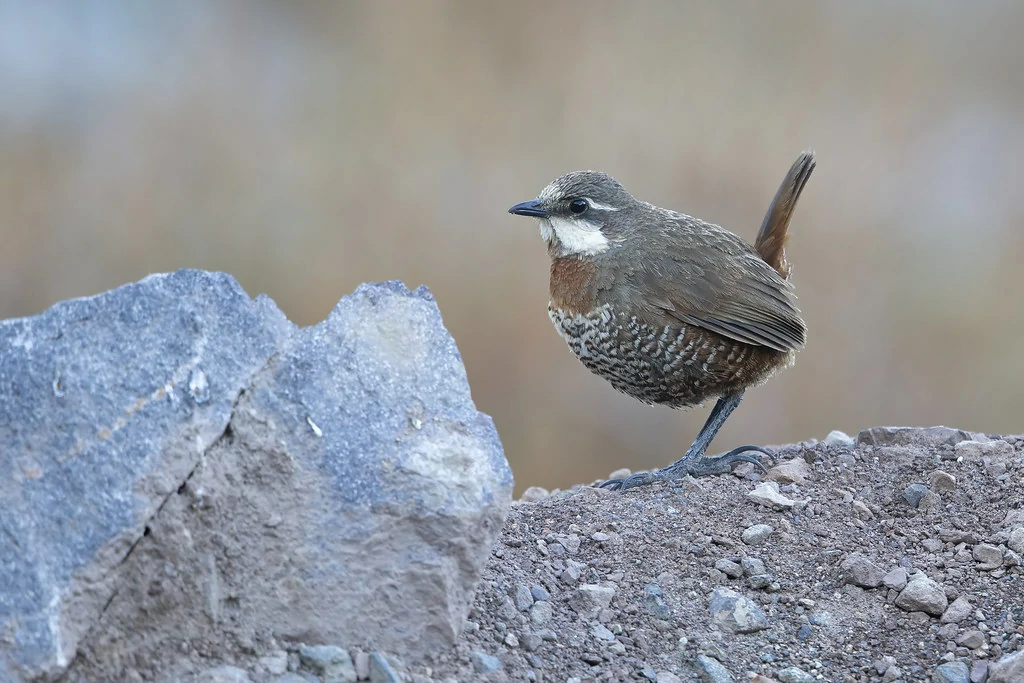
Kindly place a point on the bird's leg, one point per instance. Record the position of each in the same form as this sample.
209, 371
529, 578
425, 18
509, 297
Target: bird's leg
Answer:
696, 462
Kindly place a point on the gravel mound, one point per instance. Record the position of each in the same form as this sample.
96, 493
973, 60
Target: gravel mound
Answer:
892, 557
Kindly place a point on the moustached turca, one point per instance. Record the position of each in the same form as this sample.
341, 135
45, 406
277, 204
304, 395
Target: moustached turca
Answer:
669, 309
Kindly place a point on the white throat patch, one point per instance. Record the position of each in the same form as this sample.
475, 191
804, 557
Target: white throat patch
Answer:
575, 238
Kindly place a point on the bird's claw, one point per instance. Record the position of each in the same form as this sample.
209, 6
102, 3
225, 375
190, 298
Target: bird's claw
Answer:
698, 467
632, 481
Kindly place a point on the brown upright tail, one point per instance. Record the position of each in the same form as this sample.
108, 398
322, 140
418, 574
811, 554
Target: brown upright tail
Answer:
772, 237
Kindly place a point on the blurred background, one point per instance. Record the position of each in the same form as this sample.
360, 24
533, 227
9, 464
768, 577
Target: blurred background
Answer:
306, 147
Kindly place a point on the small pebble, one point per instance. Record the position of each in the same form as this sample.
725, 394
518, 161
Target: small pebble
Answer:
840, 439
753, 566
523, 598
942, 481
756, 534
987, 556
795, 675
710, 670
483, 662
533, 494
541, 613
729, 568
914, 493
951, 672
922, 595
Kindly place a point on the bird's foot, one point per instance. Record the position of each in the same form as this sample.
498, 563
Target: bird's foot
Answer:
702, 466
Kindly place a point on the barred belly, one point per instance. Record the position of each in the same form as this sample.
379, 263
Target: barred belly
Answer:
676, 365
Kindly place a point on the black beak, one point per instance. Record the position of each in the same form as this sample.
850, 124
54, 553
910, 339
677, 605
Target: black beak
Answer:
530, 208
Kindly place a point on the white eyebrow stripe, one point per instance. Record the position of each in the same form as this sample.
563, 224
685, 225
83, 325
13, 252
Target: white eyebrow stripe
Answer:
602, 207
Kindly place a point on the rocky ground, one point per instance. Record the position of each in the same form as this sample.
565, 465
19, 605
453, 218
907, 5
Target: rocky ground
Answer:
892, 557
895, 556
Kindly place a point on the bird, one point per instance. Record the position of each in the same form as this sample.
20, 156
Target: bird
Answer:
670, 309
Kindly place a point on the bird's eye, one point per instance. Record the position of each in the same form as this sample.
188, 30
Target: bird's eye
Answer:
578, 206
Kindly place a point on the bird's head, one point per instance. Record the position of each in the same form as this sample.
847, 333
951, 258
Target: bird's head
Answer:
581, 214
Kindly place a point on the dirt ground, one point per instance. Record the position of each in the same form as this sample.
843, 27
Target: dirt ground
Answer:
895, 556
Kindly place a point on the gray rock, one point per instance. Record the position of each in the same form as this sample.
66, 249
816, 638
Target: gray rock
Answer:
381, 670
180, 406
483, 662
767, 494
951, 672
729, 568
957, 536
930, 502
759, 581
710, 670
987, 556
752, 566
332, 664
1008, 669
893, 673
839, 439
862, 510
507, 610
654, 601
291, 678
996, 451
979, 671
533, 494
275, 663
531, 642
589, 599
106, 405
541, 613
914, 493
793, 471
820, 619
663, 677
735, 613
883, 664
601, 632
860, 571
523, 598
957, 611
942, 481
756, 534
911, 436
922, 595
540, 593
572, 543
1016, 541
224, 674
795, 675
972, 639
895, 579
